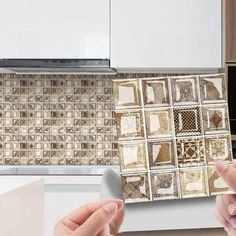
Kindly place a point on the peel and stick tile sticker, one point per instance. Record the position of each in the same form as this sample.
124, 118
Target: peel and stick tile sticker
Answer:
133, 156
193, 182
213, 88
216, 184
215, 119
190, 152
159, 123
184, 90
136, 187
156, 92
161, 154
218, 148
130, 124
187, 121
171, 130
165, 185
127, 94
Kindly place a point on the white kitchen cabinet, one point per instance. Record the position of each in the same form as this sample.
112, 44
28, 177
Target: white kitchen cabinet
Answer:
64, 194
60, 200
77, 29
166, 33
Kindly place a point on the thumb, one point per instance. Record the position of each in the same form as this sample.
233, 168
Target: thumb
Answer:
98, 220
227, 172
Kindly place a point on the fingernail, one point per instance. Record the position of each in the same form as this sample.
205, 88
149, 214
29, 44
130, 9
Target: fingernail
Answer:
121, 206
120, 203
110, 208
221, 166
231, 208
232, 222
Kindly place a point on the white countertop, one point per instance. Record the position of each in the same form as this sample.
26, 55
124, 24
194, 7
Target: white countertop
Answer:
56, 175
7, 183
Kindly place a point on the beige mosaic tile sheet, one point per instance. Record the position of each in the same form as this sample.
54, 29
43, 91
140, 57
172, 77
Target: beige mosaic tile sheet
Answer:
170, 132
48, 119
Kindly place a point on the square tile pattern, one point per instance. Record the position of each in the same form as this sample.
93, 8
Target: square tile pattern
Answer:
159, 123
156, 92
170, 132
136, 187
57, 119
130, 124
161, 153
165, 185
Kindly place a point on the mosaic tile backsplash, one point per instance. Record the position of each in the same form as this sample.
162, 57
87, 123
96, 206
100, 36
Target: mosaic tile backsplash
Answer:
58, 119
170, 132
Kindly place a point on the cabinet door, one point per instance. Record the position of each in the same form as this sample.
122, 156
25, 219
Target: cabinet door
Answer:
166, 34
54, 29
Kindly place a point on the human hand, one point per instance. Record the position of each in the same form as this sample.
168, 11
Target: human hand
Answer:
94, 219
226, 204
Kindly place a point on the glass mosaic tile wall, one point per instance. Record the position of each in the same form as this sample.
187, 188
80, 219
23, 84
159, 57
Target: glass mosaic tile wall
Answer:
48, 119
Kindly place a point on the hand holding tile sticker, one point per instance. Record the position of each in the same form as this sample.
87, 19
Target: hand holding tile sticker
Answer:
171, 130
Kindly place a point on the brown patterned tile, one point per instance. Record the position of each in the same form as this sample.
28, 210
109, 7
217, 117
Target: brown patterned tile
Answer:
187, 121
184, 90
161, 154
129, 124
216, 119
136, 187
216, 184
190, 152
133, 156
156, 92
193, 182
218, 148
159, 123
127, 93
165, 185
213, 88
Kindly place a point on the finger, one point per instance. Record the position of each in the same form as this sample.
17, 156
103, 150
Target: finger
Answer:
233, 222
234, 163
98, 220
70, 224
222, 208
232, 232
227, 229
80, 215
222, 220
117, 221
105, 231
77, 217
61, 229
227, 172
65, 226
230, 203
